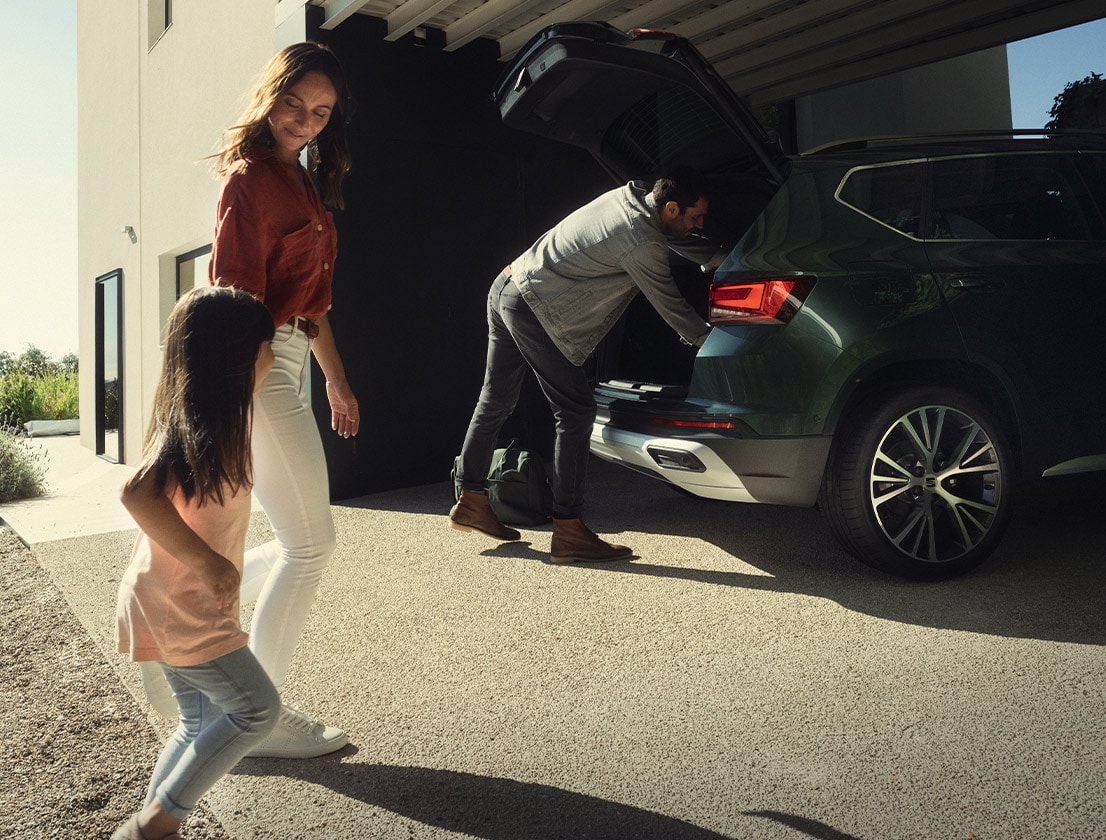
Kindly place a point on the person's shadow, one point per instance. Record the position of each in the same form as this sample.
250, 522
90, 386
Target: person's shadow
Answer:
494, 808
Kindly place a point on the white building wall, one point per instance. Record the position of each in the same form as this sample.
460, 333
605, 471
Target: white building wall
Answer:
107, 174
967, 93
147, 118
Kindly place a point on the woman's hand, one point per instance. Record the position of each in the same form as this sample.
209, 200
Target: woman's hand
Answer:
345, 416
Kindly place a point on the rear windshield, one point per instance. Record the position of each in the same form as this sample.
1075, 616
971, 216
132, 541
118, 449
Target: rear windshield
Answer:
667, 127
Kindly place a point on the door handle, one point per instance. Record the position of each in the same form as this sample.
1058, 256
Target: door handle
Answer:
970, 282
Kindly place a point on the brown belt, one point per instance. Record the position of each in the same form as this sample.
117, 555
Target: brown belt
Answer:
305, 324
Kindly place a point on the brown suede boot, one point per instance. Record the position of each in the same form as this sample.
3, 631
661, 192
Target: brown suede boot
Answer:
474, 513
573, 542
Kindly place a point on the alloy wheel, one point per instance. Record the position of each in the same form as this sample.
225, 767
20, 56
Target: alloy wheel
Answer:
935, 483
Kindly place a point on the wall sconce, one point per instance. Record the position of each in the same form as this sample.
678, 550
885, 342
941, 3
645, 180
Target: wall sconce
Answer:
127, 229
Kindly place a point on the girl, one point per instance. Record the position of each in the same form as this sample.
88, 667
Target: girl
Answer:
178, 599
275, 238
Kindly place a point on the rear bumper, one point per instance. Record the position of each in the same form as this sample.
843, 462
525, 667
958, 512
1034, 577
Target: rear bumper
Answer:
780, 471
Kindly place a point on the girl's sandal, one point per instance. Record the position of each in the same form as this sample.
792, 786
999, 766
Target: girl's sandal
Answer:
129, 830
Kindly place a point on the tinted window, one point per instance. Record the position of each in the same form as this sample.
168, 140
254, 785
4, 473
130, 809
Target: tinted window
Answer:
888, 194
1093, 167
1024, 197
664, 126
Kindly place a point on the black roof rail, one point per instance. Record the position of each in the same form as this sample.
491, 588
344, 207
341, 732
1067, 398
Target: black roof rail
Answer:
855, 143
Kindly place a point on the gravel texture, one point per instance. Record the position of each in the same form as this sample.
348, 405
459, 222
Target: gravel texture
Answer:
75, 747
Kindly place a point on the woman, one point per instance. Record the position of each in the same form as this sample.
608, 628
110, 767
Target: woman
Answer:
275, 238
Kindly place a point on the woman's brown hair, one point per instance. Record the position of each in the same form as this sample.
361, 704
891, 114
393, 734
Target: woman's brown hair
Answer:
199, 435
328, 157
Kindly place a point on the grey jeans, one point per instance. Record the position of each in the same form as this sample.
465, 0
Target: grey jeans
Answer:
516, 340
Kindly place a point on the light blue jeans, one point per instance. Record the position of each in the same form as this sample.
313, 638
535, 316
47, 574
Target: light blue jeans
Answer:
227, 707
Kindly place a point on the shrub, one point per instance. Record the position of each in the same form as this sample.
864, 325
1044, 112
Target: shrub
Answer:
52, 395
56, 397
34, 388
17, 398
22, 466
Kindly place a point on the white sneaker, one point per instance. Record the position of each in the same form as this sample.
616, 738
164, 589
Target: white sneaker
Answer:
158, 692
298, 736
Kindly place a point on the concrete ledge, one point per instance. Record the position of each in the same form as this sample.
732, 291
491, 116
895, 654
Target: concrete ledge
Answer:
43, 428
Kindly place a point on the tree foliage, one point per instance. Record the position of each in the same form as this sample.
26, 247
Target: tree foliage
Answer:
1082, 104
34, 363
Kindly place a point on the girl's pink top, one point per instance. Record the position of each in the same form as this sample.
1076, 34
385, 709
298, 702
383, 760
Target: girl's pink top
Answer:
165, 613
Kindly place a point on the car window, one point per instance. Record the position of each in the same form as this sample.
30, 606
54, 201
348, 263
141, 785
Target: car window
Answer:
1016, 197
889, 194
664, 126
1093, 168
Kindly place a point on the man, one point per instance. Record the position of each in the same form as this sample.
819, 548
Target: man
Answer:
548, 310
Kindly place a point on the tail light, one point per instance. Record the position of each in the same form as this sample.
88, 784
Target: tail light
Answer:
695, 424
770, 300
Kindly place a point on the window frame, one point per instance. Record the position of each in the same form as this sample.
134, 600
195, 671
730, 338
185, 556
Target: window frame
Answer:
101, 303
183, 258
926, 203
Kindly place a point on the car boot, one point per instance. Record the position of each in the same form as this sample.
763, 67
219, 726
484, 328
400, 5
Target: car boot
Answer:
574, 542
473, 512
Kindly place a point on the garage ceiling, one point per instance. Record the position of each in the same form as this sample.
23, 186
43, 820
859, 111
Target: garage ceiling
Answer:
768, 50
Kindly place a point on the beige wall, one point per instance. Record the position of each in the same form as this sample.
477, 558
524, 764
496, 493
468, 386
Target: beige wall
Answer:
967, 93
147, 116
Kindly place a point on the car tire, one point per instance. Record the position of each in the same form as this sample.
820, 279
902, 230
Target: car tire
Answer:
919, 482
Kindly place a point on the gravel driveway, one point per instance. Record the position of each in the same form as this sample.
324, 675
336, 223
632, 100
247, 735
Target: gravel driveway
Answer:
742, 679
75, 748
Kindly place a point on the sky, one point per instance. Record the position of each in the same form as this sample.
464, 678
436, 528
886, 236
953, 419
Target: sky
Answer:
38, 155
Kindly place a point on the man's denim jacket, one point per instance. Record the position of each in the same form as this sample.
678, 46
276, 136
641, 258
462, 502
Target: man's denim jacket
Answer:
581, 275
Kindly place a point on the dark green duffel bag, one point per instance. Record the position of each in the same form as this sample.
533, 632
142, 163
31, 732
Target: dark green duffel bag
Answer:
518, 489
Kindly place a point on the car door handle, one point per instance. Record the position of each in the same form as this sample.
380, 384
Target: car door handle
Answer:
970, 282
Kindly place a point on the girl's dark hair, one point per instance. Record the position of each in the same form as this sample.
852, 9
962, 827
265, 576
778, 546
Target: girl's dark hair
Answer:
199, 435
328, 157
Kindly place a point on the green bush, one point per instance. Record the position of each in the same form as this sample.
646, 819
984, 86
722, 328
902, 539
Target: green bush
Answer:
52, 395
32, 387
17, 398
22, 466
56, 397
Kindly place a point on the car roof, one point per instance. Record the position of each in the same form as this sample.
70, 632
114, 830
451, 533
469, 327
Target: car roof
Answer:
899, 147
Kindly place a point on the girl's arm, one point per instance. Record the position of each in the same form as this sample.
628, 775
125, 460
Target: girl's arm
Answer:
163, 524
345, 416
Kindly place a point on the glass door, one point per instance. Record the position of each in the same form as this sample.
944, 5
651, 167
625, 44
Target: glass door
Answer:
109, 366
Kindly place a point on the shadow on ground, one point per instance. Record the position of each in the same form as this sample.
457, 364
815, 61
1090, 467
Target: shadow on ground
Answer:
494, 808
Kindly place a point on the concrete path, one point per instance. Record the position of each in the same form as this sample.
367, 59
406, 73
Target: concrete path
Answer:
743, 678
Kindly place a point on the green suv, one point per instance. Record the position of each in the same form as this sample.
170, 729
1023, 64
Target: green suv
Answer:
905, 329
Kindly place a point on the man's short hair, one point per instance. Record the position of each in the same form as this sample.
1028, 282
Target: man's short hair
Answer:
683, 185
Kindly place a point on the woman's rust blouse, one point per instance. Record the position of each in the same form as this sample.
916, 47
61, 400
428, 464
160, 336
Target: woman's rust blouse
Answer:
274, 238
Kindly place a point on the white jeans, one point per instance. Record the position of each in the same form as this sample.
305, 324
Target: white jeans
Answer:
290, 481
